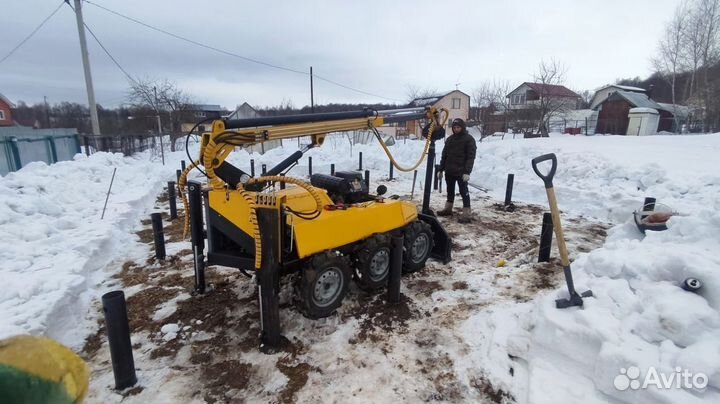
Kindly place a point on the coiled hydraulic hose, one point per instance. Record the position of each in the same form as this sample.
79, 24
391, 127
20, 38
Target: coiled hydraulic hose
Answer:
250, 199
182, 183
428, 140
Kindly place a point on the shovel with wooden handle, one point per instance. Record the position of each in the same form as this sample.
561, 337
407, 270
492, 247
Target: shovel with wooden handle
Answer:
575, 298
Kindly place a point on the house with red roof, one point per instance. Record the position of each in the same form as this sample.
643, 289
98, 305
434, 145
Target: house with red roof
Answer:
6, 107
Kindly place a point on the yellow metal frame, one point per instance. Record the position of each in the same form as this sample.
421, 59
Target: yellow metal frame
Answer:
330, 229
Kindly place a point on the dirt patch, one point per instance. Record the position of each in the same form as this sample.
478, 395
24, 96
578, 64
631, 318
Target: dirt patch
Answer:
163, 197
142, 305
133, 391
93, 342
174, 230
438, 370
297, 373
547, 274
221, 377
460, 285
297, 379
133, 274
378, 318
146, 235
184, 252
424, 287
166, 350
498, 396
212, 308
177, 280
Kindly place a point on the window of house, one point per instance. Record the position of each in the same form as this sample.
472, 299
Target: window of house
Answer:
200, 114
2, 115
518, 99
456, 103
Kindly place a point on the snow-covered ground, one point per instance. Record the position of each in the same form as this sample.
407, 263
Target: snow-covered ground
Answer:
493, 345
55, 247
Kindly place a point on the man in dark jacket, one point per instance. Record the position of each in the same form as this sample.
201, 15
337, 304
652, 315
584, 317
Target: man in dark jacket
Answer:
457, 160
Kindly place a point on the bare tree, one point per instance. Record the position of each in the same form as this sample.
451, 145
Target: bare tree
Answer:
549, 104
670, 49
414, 92
166, 99
493, 93
693, 40
710, 20
586, 97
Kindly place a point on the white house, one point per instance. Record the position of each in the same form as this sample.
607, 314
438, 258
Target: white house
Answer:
243, 111
456, 102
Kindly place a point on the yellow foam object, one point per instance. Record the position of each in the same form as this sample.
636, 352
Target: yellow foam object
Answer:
48, 360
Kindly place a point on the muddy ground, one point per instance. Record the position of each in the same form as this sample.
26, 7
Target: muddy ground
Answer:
411, 347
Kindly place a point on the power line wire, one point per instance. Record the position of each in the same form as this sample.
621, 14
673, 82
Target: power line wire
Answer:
352, 89
107, 52
182, 38
228, 53
27, 38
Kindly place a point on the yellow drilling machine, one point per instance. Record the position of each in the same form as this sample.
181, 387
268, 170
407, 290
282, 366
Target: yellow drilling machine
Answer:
331, 230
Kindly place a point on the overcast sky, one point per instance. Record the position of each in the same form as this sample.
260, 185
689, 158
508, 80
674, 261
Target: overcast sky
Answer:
380, 47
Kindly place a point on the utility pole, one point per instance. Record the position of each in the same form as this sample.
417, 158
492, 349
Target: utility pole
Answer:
159, 124
86, 67
47, 112
312, 96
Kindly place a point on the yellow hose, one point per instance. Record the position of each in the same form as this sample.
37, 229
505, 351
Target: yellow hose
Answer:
422, 156
249, 198
428, 140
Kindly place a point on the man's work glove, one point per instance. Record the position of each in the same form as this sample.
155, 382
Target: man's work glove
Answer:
466, 177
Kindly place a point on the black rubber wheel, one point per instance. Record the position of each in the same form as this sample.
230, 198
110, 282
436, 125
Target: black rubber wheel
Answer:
417, 246
324, 284
372, 262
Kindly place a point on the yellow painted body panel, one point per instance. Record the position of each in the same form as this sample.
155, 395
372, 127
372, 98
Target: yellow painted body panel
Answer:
232, 207
333, 229
330, 230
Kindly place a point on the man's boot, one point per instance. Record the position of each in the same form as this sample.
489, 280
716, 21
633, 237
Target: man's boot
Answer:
447, 211
465, 217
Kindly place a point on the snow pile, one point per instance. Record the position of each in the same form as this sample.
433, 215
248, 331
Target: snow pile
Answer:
607, 176
55, 247
641, 328
640, 317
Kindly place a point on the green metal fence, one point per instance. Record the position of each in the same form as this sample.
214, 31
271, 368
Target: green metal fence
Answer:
20, 146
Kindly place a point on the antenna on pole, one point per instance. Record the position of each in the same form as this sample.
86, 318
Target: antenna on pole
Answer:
312, 95
86, 67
